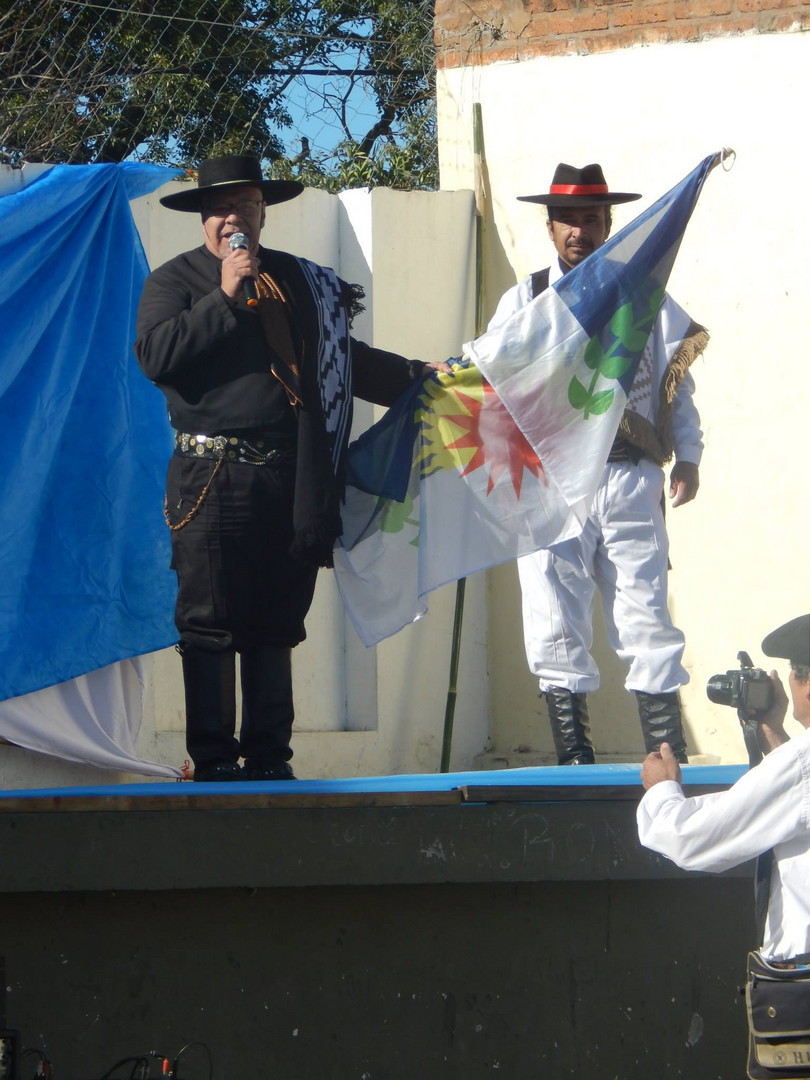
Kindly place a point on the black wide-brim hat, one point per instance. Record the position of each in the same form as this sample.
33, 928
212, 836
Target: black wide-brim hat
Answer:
790, 641
239, 170
580, 187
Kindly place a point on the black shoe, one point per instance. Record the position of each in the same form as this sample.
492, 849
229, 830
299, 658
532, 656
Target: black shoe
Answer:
217, 772
282, 771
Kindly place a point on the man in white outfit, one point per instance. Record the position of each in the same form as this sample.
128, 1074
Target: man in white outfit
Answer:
623, 549
768, 807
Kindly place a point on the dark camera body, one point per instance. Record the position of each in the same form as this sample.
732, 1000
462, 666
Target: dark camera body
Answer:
749, 688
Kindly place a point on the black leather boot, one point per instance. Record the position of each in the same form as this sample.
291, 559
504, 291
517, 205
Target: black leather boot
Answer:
267, 712
210, 685
570, 726
660, 716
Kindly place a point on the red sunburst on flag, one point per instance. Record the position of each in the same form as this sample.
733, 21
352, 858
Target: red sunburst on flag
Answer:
496, 438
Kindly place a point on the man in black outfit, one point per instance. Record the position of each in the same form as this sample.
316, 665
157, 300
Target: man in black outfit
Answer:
252, 349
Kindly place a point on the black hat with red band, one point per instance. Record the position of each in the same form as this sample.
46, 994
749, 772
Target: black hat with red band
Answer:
580, 187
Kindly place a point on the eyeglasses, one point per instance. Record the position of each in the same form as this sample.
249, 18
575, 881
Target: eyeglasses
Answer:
241, 208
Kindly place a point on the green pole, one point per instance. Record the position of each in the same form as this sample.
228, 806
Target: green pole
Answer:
450, 707
461, 584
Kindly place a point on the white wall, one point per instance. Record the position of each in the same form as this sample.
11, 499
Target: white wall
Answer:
12, 179
649, 115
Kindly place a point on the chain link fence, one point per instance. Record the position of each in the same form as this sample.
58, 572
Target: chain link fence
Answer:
331, 92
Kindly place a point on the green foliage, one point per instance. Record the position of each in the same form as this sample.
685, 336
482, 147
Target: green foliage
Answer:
406, 165
175, 81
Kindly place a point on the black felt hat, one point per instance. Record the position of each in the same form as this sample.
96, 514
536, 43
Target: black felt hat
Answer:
235, 171
579, 187
791, 641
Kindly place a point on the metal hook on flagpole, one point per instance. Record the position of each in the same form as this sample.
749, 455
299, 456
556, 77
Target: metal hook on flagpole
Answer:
727, 154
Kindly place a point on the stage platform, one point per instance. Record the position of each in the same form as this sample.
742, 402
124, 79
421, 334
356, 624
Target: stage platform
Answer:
464, 924
506, 825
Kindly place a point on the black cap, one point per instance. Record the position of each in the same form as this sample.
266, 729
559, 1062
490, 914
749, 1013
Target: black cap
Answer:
791, 641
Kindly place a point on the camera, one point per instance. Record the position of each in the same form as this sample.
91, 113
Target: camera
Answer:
749, 689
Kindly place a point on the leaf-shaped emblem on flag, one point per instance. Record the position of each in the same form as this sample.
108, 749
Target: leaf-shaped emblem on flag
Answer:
397, 515
629, 333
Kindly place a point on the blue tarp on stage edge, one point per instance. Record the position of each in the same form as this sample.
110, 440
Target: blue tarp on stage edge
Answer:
592, 776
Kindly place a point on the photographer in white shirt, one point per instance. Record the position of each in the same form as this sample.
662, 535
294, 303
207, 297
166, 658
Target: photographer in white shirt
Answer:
768, 807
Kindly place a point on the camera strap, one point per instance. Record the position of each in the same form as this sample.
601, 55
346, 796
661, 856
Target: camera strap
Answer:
750, 727
764, 866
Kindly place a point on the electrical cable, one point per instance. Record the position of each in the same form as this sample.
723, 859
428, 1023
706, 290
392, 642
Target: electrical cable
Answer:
44, 1069
189, 1046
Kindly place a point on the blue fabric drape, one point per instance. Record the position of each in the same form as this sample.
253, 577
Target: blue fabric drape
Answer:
84, 551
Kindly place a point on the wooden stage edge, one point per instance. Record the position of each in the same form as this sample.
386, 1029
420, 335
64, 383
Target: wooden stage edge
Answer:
474, 795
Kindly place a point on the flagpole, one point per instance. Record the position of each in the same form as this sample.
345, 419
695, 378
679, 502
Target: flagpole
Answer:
450, 707
461, 584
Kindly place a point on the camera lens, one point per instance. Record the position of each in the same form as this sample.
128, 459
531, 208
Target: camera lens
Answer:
720, 690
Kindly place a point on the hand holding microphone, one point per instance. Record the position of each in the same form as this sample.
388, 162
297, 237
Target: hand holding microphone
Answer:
238, 242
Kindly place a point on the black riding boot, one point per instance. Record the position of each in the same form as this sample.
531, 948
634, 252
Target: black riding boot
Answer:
210, 684
660, 716
267, 712
570, 727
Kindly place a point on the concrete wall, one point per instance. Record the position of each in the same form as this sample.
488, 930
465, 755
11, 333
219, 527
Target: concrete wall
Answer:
387, 983
13, 180
649, 115
381, 710
387, 943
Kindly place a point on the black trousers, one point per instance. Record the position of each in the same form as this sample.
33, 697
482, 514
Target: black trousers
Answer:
239, 590
237, 584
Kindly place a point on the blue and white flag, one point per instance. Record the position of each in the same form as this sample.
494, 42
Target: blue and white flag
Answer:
84, 550
504, 456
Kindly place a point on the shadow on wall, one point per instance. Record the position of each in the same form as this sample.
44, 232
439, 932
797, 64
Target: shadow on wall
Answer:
497, 274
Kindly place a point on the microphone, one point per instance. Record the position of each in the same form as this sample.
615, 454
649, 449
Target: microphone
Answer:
236, 242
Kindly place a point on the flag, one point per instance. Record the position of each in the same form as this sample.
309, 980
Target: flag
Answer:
84, 550
503, 456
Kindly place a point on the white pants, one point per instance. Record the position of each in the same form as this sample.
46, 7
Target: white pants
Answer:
623, 550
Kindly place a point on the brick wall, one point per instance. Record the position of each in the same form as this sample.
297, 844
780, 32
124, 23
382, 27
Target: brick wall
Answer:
484, 31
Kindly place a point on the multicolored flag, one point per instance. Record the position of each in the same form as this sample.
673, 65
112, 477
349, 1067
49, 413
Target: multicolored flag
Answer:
503, 456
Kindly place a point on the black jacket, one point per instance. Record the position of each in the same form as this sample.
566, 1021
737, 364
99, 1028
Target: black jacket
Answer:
210, 357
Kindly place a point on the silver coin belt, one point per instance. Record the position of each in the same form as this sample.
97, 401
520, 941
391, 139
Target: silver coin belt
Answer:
233, 448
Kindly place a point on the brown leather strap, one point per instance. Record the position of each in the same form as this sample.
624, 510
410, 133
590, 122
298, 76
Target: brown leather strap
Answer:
275, 318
